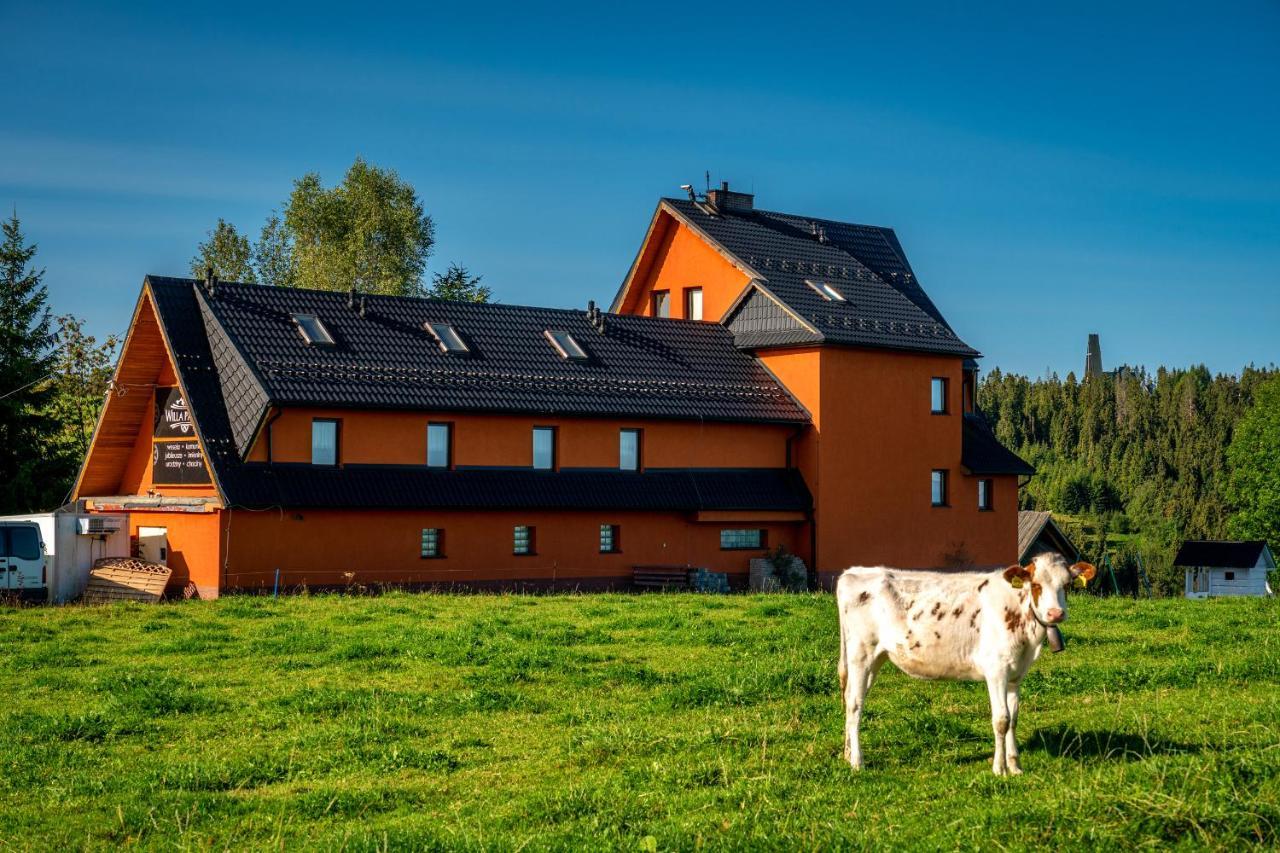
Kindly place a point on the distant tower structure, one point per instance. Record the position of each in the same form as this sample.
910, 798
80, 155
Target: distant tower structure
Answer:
1093, 357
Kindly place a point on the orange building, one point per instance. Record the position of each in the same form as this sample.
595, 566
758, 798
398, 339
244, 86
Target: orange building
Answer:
762, 380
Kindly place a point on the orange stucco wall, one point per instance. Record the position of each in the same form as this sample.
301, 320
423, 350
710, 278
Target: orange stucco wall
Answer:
327, 548
678, 258
869, 456
195, 548
379, 437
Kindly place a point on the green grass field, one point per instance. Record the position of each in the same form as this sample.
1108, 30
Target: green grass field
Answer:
632, 722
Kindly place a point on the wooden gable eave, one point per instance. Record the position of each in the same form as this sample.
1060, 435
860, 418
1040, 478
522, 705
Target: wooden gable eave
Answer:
666, 217
146, 354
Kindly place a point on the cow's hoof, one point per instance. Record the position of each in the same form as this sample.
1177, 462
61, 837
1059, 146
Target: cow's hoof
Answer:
1014, 769
997, 770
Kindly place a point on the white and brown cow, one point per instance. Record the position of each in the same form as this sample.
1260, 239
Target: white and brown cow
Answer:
962, 626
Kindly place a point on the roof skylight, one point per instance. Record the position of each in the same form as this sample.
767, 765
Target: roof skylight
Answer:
447, 336
312, 330
566, 345
826, 290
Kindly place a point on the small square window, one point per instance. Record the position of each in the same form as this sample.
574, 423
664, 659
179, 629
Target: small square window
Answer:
739, 540
447, 337
984, 494
661, 303
544, 448
939, 488
1228, 576
629, 449
566, 345
826, 290
313, 331
938, 395
523, 540
439, 445
610, 540
693, 303
432, 542
324, 441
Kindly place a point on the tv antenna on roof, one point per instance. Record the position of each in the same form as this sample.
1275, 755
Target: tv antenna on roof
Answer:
707, 174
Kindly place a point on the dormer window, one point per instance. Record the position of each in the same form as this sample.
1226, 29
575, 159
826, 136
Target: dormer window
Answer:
312, 330
566, 345
826, 290
447, 337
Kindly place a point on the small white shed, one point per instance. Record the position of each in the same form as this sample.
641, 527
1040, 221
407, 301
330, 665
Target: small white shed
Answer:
1215, 568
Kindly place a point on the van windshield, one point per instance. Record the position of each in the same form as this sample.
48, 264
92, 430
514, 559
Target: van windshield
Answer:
22, 543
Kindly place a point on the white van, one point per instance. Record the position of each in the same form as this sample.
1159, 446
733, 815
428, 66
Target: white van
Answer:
47, 555
22, 560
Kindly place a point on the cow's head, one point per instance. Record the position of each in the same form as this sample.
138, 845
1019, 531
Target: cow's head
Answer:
1048, 576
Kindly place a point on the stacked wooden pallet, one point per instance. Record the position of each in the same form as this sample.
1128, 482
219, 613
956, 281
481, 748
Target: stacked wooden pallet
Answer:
125, 579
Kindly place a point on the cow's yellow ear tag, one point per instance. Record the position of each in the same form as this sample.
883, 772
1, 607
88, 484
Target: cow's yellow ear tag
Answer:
1082, 581
1017, 582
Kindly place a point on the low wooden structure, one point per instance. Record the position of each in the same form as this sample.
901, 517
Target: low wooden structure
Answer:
1038, 533
126, 579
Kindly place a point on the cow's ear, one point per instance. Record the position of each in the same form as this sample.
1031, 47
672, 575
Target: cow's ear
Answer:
1083, 573
1016, 575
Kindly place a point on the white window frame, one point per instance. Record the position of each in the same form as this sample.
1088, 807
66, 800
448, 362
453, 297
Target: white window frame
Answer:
692, 312
448, 443
936, 399
553, 433
337, 440
826, 290
447, 337
566, 344
313, 330
639, 448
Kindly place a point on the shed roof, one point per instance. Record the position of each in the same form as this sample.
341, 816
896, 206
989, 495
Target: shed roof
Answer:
1220, 554
884, 304
982, 453
1038, 531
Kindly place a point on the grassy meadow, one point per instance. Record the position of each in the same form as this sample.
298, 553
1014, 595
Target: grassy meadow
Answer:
632, 722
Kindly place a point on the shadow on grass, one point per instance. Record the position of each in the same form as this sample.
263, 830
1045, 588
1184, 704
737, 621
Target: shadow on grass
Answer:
1068, 742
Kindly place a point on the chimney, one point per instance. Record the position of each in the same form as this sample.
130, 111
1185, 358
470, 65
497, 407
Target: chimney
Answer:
724, 200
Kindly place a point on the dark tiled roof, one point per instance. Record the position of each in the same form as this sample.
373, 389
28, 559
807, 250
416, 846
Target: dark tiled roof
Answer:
1219, 554
638, 367
982, 453
885, 305
220, 379
407, 487
1038, 531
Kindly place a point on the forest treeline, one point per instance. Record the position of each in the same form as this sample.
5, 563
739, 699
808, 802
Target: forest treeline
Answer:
1142, 459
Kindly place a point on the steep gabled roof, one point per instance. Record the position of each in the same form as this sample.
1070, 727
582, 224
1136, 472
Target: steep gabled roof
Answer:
884, 304
1038, 531
237, 353
386, 359
1219, 554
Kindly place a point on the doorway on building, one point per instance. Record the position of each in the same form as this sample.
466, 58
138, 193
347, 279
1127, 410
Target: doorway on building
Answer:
153, 544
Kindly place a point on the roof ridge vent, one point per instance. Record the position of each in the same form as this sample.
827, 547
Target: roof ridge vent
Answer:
595, 316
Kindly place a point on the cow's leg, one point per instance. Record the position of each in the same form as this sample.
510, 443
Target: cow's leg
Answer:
997, 688
860, 671
1011, 738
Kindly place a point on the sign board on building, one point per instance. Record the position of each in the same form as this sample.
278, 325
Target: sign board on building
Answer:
176, 459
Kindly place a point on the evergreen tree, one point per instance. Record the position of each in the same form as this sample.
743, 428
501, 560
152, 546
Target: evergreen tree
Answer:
459, 285
1254, 457
228, 252
25, 364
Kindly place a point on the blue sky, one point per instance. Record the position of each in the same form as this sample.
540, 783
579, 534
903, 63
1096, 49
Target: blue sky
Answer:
1050, 174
